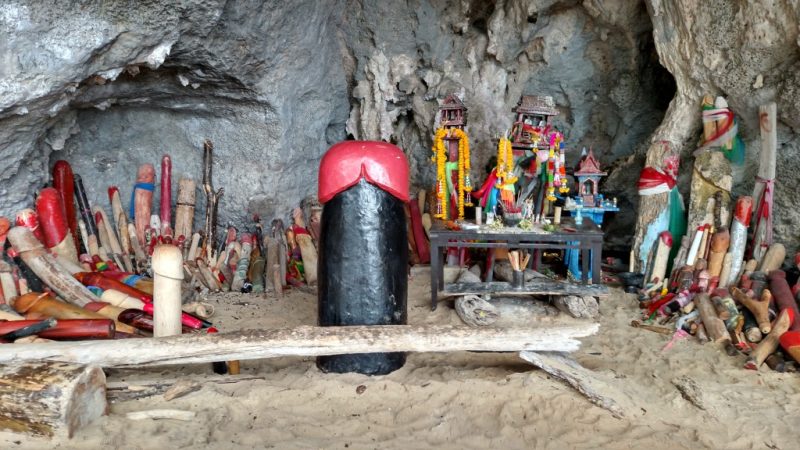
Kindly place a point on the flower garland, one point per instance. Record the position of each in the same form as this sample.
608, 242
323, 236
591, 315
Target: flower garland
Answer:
464, 183
440, 157
505, 163
464, 165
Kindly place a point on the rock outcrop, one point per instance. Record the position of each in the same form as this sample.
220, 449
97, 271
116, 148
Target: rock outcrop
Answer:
275, 84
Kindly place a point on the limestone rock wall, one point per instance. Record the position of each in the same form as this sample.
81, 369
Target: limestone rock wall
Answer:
274, 84
748, 52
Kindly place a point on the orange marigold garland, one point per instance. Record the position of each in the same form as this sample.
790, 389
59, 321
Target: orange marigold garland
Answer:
464, 183
440, 158
505, 163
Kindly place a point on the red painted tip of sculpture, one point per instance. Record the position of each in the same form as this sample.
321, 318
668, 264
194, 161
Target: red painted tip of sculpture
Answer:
246, 238
111, 191
380, 163
797, 259
744, 210
666, 238
52, 216
790, 339
29, 219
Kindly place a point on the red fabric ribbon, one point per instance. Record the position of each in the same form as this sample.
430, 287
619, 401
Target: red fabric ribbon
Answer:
653, 181
764, 209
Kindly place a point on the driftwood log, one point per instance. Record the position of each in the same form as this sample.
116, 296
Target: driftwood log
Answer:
301, 341
592, 385
50, 399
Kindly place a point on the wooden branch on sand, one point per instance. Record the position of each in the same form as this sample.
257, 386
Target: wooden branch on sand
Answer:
600, 392
300, 341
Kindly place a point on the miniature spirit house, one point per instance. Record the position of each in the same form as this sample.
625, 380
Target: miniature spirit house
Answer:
532, 119
452, 114
588, 175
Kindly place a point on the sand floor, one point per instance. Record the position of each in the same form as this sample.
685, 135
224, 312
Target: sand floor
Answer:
456, 400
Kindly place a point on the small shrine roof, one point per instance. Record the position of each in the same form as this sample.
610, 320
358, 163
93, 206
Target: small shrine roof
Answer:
589, 166
536, 104
452, 102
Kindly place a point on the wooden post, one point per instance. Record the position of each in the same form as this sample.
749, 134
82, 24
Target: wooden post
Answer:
763, 190
212, 196
301, 341
184, 209
50, 399
168, 274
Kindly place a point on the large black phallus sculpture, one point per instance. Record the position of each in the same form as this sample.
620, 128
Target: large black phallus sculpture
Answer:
363, 249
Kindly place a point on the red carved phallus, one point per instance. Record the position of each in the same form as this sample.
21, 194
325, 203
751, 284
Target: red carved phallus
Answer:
64, 183
52, 217
744, 210
381, 164
143, 200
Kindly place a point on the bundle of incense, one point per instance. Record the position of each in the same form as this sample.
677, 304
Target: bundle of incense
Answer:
53, 220
519, 259
64, 183
67, 329
184, 208
166, 196
142, 200
85, 210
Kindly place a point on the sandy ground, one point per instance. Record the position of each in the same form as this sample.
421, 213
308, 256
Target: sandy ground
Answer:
456, 400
